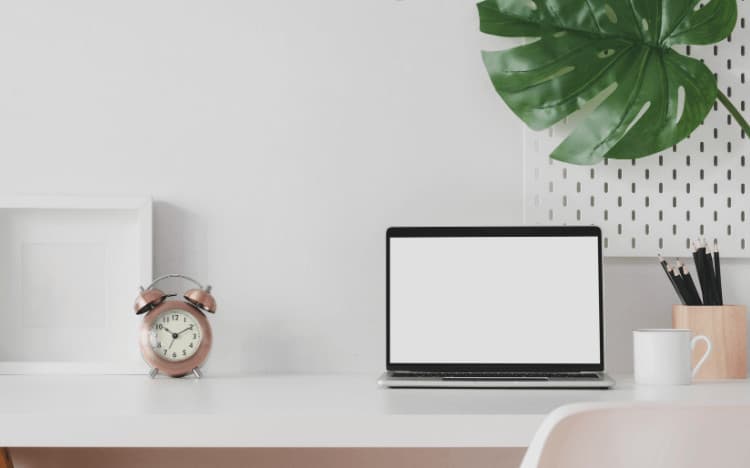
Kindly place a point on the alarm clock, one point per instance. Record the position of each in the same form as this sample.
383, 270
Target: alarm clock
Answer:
175, 336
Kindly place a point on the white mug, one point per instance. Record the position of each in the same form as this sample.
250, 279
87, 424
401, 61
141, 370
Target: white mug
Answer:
661, 356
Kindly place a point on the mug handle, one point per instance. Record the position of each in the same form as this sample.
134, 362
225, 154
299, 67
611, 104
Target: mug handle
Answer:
695, 341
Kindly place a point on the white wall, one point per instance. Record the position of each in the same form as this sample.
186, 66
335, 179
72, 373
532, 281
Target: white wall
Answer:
278, 139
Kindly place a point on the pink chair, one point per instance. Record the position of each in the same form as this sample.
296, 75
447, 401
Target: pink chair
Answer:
642, 435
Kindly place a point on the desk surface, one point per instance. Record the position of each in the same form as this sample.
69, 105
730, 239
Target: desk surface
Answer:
292, 411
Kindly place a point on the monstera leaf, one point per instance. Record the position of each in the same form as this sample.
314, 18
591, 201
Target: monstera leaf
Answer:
615, 54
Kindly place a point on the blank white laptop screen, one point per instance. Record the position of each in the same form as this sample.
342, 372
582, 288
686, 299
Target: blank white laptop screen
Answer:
494, 300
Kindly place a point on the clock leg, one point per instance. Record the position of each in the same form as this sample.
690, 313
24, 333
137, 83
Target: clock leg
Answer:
152, 373
5, 460
197, 372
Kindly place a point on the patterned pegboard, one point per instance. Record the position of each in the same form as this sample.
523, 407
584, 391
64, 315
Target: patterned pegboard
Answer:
657, 204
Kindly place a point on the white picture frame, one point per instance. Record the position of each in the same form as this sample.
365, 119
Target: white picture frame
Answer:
70, 269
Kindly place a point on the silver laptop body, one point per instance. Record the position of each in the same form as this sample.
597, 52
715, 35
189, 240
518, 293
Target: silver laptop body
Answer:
494, 307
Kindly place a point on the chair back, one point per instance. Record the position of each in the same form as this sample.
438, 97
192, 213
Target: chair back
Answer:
642, 435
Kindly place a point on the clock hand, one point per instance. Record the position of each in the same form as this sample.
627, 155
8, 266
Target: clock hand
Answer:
183, 331
170, 344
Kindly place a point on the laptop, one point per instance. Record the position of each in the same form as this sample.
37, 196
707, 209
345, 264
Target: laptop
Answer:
494, 307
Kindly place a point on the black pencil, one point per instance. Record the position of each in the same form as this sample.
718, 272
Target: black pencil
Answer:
679, 285
710, 275
669, 275
689, 284
717, 273
682, 292
700, 259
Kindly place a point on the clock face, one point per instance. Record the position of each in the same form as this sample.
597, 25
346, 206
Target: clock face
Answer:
175, 335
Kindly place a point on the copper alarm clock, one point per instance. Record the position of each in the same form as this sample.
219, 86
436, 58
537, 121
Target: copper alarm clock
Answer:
175, 337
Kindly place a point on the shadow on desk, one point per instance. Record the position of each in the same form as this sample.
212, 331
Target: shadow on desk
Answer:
268, 457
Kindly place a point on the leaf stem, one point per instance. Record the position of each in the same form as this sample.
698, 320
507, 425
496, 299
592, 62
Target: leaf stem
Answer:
735, 113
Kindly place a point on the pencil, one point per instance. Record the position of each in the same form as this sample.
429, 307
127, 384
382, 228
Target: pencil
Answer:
700, 259
689, 284
717, 272
681, 292
665, 267
710, 276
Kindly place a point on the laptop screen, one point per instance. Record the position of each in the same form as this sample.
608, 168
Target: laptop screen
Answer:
494, 297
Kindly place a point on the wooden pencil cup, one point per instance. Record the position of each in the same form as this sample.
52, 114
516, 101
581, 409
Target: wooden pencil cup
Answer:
726, 327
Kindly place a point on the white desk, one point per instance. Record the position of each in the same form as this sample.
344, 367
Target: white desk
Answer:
291, 411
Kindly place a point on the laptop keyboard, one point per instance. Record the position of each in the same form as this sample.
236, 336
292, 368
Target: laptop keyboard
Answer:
494, 375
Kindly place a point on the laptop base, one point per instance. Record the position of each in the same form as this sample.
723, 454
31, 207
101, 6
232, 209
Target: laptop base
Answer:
590, 380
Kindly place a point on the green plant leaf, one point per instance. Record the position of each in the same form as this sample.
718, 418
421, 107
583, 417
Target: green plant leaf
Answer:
614, 51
